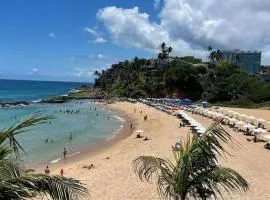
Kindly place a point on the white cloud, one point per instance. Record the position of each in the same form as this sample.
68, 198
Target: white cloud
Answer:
130, 28
52, 35
190, 26
35, 70
79, 72
98, 38
92, 31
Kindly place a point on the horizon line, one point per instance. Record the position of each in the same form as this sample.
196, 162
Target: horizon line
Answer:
10, 79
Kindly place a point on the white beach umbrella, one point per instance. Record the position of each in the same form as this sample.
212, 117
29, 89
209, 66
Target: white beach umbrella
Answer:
233, 120
243, 115
259, 130
267, 136
261, 120
251, 117
248, 126
139, 131
240, 122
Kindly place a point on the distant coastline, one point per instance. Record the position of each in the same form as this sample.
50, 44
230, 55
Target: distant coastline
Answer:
21, 93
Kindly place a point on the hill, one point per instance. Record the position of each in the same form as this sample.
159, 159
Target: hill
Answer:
217, 81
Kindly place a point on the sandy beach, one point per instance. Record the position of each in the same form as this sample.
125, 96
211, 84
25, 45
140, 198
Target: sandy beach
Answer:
113, 177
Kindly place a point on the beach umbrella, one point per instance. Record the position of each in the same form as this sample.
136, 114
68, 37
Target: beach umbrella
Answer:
251, 117
248, 126
259, 130
267, 136
261, 120
240, 123
233, 120
139, 131
243, 115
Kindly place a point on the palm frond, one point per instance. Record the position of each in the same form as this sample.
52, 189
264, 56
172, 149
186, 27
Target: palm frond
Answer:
21, 127
195, 170
4, 152
147, 166
10, 169
57, 187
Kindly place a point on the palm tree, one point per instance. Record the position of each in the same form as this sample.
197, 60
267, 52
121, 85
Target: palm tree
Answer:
165, 51
97, 73
210, 48
195, 171
15, 184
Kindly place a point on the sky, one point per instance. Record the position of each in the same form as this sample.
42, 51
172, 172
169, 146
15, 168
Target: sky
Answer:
67, 40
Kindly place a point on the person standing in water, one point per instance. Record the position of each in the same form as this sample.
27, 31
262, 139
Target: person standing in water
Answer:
64, 153
70, 136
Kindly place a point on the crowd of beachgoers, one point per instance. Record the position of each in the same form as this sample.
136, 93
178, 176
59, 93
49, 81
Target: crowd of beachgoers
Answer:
164, 123
257, 128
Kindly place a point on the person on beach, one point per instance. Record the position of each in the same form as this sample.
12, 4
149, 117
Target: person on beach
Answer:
177, 145
64, 153
145, 117
46, 140
47, 171
146, 138
131, 126
62, 172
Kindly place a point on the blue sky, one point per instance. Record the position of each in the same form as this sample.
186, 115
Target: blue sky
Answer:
46, 39
67, 40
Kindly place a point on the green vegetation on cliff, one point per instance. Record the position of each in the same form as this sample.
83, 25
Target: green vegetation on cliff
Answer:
216, 81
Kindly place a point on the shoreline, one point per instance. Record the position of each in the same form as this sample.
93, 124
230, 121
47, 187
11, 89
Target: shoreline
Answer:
95, 148
114, 178
116, 172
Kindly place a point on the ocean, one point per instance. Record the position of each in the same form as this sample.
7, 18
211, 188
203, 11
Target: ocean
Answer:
92, 124
18, 90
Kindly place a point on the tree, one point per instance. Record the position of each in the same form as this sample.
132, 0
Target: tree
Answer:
195, 172
165, 51
15, 184
97, 73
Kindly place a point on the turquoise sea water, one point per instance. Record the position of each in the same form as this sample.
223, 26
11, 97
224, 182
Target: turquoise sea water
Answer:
87, 127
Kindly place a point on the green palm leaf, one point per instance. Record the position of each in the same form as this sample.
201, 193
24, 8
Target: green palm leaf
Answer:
16, 185
195, 170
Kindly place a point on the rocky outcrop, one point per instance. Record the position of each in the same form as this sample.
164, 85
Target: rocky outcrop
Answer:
14, 104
